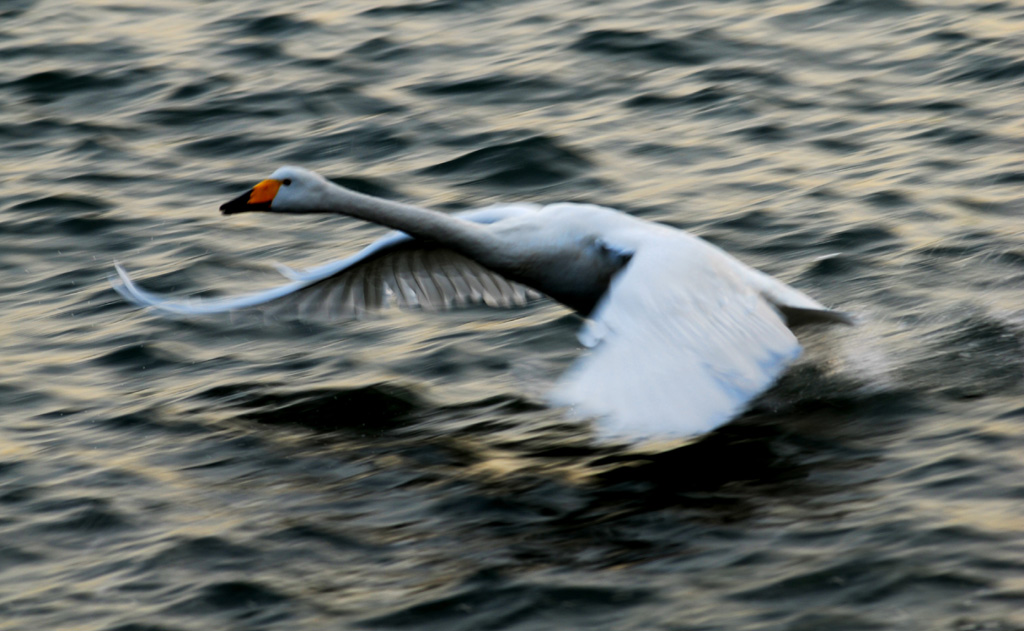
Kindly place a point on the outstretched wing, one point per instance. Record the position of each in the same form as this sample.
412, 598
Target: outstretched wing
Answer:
681, 342
396, 269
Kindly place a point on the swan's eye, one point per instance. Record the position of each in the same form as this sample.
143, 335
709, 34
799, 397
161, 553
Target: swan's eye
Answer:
287, 181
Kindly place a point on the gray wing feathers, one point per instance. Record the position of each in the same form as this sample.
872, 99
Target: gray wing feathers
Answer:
432, 279
395, 269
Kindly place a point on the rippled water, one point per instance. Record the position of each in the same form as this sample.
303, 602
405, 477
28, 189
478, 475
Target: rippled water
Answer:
399, 472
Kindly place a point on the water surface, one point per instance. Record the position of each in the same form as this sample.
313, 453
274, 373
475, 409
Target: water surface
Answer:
400, 472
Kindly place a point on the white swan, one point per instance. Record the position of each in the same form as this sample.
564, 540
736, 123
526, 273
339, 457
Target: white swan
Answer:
682, 335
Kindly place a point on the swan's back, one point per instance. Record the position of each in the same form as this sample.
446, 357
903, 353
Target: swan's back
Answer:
570, 251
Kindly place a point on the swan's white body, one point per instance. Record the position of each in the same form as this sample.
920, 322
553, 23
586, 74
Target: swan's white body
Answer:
682, 335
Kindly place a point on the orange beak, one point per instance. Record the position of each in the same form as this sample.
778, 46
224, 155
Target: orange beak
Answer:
259, 198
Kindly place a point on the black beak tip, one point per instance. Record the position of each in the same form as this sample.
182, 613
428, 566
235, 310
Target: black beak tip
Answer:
239, 204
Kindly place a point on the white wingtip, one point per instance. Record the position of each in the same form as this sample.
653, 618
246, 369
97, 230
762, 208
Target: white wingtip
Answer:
124, 285
134, 294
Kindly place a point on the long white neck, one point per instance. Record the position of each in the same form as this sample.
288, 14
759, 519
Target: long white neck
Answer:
465, 237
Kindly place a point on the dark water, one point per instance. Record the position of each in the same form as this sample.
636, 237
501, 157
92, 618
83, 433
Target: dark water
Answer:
399, 472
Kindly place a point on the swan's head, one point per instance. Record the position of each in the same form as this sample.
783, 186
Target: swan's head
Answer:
287, 190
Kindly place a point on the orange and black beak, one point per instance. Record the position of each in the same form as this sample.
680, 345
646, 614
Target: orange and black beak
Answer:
259, 198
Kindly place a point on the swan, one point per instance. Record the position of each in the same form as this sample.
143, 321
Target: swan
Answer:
681, 335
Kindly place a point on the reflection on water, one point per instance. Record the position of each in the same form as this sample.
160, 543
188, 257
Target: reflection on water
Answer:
399, 471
